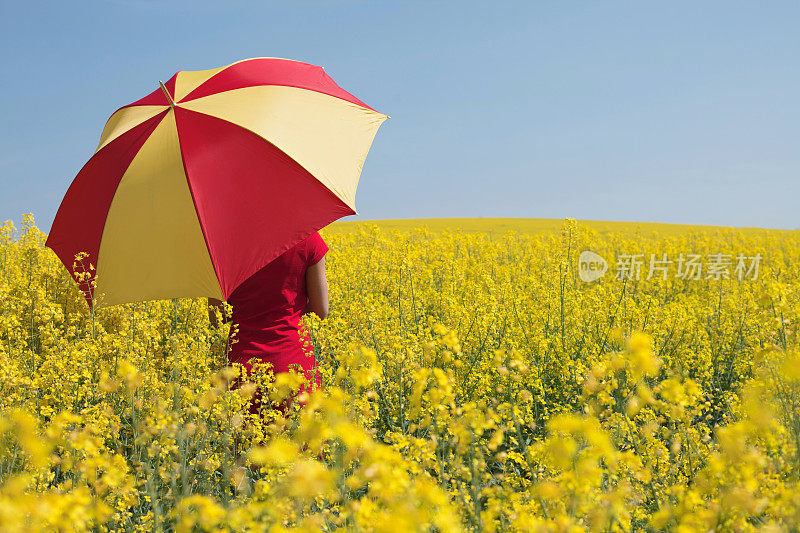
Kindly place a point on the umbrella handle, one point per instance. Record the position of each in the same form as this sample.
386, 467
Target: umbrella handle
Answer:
171, 101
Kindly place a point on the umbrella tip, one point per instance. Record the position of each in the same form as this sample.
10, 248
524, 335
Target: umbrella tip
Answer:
166, 92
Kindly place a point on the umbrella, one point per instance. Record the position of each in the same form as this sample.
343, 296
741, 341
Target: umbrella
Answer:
201, 183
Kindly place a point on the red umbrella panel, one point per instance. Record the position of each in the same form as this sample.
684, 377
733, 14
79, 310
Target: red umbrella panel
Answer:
198, 185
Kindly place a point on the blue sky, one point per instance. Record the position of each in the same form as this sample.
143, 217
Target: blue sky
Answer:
681, 112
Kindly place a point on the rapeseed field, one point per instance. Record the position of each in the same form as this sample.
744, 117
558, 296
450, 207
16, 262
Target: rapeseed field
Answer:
473, 381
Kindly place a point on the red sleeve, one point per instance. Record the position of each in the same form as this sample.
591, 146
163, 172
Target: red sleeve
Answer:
315, 249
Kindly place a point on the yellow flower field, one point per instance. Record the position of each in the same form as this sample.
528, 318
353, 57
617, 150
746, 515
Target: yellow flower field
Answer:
473, 382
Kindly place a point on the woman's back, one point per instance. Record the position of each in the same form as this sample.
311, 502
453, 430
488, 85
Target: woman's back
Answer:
267, 308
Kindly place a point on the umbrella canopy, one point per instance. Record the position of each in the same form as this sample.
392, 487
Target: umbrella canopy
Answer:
198, 185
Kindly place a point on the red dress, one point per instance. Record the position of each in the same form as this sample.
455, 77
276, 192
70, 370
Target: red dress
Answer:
268, 306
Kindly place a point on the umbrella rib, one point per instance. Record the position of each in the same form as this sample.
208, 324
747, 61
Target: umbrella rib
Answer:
200, 221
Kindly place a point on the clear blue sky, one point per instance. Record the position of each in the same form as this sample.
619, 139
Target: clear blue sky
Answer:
684, 112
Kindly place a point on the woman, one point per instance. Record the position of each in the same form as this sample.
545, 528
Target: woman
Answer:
267, 308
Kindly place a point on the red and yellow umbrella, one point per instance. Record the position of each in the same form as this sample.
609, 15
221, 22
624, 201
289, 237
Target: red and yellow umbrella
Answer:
201, 183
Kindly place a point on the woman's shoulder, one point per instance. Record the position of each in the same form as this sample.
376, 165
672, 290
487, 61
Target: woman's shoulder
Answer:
312, 239
315, 248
